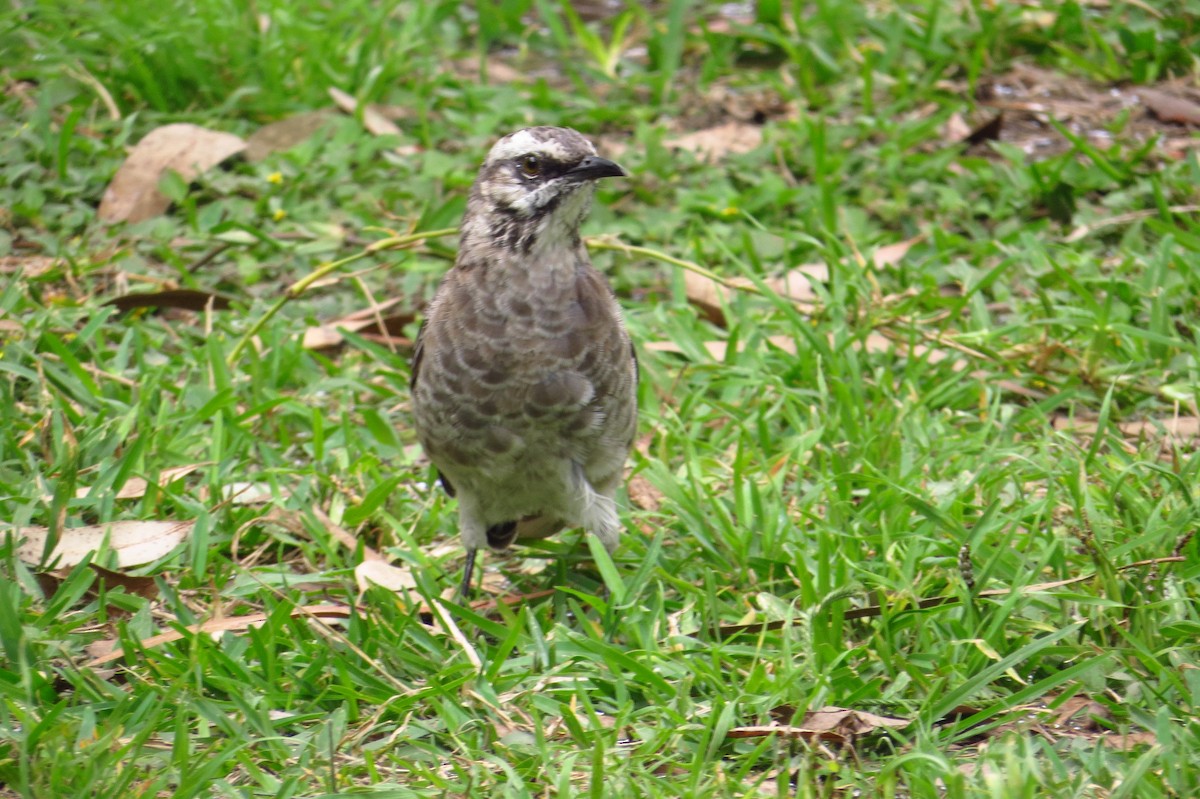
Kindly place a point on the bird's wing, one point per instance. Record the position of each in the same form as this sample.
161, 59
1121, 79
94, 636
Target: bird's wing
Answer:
418, 353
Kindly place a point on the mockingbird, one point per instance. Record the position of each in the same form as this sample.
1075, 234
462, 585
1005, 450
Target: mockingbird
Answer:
524, 379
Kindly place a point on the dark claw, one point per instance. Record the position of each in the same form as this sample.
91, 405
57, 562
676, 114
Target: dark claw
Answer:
465, 589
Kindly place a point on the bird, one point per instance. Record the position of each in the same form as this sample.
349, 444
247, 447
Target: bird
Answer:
524, 377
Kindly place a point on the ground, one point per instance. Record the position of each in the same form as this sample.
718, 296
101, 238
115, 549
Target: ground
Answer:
915, 290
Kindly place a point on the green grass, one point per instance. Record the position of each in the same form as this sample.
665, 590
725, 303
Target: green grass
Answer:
797, 485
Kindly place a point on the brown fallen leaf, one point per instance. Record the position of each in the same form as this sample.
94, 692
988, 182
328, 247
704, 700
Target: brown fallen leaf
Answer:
101, 648
1177, 431
366, 322
1184, 428
372, 119
956, 128
875, 343
1179, 147
145, 587
1121, 219
709, 295
796, 284
717, 350
344, 536
136, 487
1170, 107
643, 494
227, 624
713, 144
488, 606
494, 67
836, 724
28, 265
286, 133
133, 542
397, 579
133, 194
1128, 740
185, 299
706, 295
892, 254
855, 722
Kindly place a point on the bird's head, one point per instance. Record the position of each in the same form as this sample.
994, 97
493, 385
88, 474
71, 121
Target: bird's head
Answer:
536, 186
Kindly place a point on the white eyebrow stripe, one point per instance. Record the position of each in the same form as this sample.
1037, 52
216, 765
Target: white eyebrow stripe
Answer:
513, 145
524, 141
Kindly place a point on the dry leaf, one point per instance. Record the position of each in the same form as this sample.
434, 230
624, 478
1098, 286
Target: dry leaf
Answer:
956, 128
708, 295
497, 71
226, 624
398, 579
366, 323
102, 648
374, 121
133, 194
713, 144
643, 494
1120, 219
1170, 107
797, 284
27, 265
241, 493
135, 487
285, 134
1126, 741
185, 299
372, 118
891, 254
133, 542
1177, 431
144, 587
1185, 429
855, 722
344, 536
50, 581
827, 724
717, 350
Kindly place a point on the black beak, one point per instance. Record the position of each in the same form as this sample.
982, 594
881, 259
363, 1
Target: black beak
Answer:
594, 167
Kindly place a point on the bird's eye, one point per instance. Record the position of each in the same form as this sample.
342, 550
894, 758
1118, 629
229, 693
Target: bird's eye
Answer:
531, 165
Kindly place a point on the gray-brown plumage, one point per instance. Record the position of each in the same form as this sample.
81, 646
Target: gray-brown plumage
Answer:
524, 379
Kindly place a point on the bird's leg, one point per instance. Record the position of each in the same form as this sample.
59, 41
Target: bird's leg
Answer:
465, 590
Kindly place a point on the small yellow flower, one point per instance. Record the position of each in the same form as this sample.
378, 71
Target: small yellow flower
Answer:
275, 177
279, 214
729, 211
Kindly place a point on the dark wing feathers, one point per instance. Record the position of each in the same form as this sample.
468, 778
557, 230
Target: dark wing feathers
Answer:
418, 353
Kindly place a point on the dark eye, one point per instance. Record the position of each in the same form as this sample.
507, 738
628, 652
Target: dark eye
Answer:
531, 165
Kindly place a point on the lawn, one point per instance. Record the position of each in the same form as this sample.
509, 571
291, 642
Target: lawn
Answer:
916, 293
